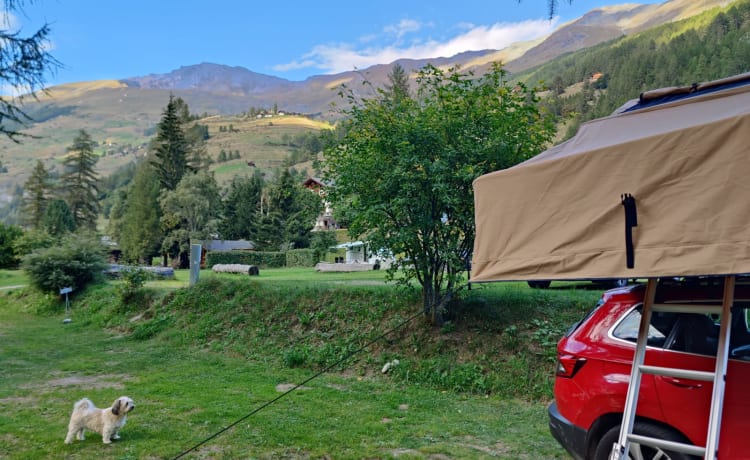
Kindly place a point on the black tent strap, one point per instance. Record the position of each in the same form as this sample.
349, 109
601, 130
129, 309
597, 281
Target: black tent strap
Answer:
631, 220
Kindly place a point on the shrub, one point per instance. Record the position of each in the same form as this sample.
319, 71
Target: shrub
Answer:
32, 240
75, 262
301, 258
9, 234
259, 258
133, 279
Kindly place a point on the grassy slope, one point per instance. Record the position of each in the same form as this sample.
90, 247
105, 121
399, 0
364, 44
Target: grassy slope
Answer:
256, 140
198, 359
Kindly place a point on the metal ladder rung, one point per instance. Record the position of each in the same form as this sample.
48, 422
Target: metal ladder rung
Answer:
679, 373
687, 308
668, 445
718, 377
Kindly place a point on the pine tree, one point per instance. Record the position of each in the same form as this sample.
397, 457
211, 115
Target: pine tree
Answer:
78, 182
38, 189
241, 208
291, 213
398, 84
58, 218
140, 232
24, 61
171, 148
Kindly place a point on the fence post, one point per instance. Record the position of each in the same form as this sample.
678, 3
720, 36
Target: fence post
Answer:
195, 263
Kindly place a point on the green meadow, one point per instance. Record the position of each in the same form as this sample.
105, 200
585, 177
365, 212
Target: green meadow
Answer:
215, 369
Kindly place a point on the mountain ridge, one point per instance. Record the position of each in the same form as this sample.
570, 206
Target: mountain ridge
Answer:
122, 113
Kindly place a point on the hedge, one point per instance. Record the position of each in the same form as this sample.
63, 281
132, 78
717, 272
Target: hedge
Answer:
301, 258
259, 258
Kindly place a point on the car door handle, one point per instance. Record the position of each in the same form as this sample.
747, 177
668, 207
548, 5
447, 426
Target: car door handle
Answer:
689, 384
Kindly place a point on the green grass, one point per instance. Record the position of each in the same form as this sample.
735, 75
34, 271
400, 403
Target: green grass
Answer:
290, 275
12, 278
196, 360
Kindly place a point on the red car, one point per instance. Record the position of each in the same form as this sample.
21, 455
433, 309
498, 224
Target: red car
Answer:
594, 363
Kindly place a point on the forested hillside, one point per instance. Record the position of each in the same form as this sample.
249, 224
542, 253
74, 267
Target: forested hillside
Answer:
712, 45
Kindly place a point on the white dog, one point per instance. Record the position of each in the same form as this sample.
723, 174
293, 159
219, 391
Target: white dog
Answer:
106, 422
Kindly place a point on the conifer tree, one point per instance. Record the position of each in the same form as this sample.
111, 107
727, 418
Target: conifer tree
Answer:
38, 189
24, 61
140, 232
241, 208
58, 218
398, 84
171, 148
78, 182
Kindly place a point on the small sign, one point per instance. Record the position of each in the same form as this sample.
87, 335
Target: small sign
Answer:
66, 290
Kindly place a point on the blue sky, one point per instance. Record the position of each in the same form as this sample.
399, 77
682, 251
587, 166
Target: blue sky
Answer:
104, 39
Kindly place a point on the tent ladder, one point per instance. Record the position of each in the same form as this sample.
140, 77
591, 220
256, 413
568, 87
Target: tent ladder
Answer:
718, 377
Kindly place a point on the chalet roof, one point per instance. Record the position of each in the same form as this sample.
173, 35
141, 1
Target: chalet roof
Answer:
312, 181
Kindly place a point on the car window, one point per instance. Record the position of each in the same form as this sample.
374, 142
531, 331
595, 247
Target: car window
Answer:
689, 332
739, 340
661, 324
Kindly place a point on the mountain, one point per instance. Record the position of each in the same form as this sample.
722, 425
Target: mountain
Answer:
607, 23
121, 114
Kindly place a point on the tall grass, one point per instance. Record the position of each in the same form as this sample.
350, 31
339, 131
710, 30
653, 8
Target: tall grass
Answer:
499, 339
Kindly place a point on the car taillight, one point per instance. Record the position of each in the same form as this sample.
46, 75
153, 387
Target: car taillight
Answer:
568, 365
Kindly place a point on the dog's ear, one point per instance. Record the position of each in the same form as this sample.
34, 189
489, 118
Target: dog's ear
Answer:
116, 407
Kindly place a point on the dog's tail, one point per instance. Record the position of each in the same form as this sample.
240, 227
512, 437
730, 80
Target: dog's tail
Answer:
83, 404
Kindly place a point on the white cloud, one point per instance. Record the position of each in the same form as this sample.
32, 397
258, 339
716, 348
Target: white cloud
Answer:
344, 57
404, 27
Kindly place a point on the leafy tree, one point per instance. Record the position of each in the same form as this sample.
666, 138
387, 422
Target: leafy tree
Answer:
58, 219
190, 213
78, 182
405, 168
171, 147
321, 242
9, 234
139, 231
241, 208
38, 189
77, 261
32, 240
23, 63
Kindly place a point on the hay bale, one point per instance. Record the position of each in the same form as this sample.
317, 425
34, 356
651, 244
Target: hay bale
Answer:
251, 270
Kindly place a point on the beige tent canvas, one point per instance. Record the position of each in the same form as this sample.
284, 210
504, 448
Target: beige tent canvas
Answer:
659, 188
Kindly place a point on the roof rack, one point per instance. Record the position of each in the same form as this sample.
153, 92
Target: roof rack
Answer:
675, 93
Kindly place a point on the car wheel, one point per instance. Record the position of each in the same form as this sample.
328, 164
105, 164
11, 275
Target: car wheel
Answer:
539, 284
638, 452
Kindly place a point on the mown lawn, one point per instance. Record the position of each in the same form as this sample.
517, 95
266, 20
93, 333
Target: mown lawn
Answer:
185, 394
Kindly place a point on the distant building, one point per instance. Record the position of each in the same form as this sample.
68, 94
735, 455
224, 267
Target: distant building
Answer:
325, 220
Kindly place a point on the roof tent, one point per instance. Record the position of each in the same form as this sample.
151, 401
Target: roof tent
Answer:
659, 188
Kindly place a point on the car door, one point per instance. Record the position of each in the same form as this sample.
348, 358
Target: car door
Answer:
686, 403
